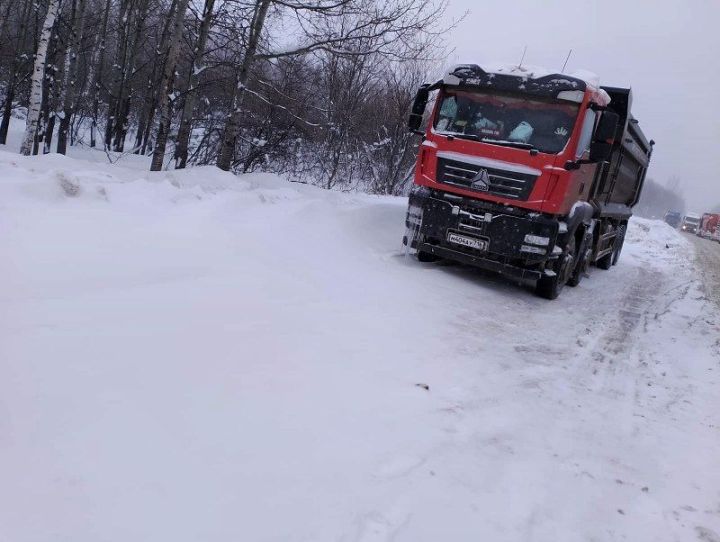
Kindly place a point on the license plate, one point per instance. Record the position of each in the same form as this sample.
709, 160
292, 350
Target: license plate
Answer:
470, 242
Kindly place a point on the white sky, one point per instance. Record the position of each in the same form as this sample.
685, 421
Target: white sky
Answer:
667, 51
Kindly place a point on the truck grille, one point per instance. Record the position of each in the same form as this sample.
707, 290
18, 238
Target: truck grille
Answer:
498, 182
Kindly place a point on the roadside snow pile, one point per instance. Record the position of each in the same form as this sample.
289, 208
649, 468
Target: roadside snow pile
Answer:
195, 356
654, 234
655, 243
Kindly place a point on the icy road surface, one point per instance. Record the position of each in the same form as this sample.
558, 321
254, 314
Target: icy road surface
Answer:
189, 356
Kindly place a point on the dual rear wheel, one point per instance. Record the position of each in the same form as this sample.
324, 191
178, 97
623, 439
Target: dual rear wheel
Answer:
612, 258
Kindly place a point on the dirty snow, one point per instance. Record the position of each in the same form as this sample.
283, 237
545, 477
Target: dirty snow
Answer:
193, 356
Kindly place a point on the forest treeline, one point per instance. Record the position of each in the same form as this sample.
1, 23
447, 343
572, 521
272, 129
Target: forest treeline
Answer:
318, 90
657, 199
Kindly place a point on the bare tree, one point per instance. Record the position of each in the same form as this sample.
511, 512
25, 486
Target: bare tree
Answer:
232, 127
166, 87
36, 92
52, 90
17, 48
397, 28
327, 108
152, 90
183, 137
97, 64
70, 80
132, 18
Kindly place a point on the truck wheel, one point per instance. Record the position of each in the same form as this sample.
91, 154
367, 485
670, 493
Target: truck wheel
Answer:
605, 262
581, 266
549, 287
426, 257
619, 242
413, 239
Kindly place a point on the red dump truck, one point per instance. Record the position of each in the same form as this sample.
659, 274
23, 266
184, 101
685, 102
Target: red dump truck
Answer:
532, 176
709, 226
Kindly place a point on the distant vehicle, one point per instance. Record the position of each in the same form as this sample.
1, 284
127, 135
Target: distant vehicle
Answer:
533, 176
710, 226
690, 223
673, 218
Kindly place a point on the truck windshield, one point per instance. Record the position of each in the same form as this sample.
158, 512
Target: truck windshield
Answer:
504, 119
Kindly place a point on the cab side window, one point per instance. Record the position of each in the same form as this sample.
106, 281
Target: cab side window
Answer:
448, 112
586, 133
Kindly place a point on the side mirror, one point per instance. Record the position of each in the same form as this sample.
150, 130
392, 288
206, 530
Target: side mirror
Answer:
600, 151
607, 127
605, 131
418, 108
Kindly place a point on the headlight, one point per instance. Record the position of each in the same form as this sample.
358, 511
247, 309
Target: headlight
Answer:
414, 215
537, 240
532, 250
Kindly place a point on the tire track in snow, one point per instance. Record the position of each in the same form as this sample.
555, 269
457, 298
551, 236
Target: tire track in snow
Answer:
617, 338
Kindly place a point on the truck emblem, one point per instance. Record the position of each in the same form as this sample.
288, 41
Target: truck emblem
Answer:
561, 131
481, 181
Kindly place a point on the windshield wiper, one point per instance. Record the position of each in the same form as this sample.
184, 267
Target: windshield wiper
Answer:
473, 137
451, 135
516, 144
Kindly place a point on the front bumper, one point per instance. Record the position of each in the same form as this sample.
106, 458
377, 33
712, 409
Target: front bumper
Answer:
519, 243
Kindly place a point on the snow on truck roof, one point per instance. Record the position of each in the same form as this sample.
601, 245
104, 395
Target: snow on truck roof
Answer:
578, 80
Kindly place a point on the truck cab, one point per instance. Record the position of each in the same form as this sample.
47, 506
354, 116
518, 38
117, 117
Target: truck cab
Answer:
532, 175
690, 223
673, 219
709, 226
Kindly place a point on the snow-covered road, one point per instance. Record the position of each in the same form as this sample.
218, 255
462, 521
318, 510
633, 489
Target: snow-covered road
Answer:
189, 356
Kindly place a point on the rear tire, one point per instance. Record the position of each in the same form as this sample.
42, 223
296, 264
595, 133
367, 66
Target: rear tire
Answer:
605, 262
619, 242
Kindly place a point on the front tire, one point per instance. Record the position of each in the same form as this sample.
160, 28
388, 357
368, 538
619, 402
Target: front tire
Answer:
583, 262
426, 257
550, 286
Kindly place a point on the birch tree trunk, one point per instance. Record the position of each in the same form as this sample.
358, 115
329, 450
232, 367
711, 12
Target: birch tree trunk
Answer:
165, 104
232, 126
183, 137
36, 86
53, 96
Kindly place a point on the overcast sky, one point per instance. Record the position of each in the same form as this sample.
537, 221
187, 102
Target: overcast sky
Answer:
667, 51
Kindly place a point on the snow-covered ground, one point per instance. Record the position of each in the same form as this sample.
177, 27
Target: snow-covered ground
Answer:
192, 356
